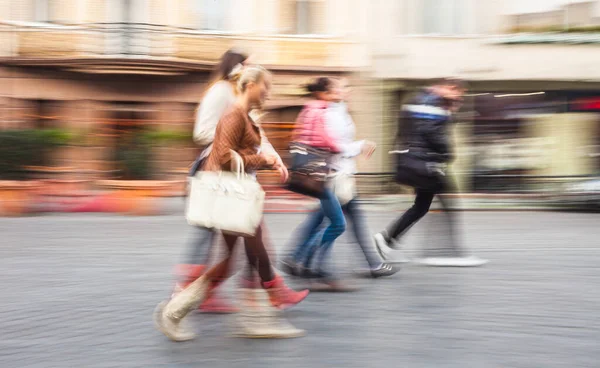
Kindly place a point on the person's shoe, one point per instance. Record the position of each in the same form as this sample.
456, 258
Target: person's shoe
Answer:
385, 269
471, 261
213, 303
217, 305
383, 247
385, 250
259, 319
307, 273
281, 296
169, 315
325, 282
289, 266
173, 329
186, 274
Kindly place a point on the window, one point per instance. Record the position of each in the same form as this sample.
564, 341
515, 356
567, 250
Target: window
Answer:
48, 11
213, 14
444, 17
40, 9
302, 16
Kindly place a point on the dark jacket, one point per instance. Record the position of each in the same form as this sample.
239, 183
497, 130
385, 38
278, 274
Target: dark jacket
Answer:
423, 128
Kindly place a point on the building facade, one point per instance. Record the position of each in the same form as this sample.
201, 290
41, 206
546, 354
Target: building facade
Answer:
104, 67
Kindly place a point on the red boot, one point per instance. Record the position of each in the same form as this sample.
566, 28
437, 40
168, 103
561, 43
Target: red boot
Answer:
186, 274
217, 304
281, 296
213, 303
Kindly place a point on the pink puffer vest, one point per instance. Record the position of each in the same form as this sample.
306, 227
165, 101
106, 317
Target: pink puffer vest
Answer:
310, 127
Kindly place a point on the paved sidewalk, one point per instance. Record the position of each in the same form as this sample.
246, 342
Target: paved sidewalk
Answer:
78, 291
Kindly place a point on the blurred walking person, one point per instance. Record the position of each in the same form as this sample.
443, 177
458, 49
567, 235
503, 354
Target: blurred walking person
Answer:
235, 132
220, 96
339, 124
311, 130
423, 152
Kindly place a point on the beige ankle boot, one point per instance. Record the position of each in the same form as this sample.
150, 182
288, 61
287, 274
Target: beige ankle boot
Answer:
260, 320
169, 315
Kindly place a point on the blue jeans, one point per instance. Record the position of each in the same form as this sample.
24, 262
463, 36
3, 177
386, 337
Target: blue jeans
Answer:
330, 208
305, 252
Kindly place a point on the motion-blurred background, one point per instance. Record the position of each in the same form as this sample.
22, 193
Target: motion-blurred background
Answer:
99, 94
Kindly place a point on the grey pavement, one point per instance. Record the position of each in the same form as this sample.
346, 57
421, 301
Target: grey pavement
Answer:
79, 291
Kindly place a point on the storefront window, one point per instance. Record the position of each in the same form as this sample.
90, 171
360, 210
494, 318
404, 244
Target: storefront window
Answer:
506, 150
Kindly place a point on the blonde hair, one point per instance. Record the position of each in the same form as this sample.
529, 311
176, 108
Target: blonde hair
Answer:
254, 74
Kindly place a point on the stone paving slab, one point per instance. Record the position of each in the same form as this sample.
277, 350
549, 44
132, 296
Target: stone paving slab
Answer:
78, 291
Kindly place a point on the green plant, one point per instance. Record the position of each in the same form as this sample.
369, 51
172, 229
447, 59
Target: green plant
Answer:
554, 29
164, 137
29, 147
54, 137
133, 156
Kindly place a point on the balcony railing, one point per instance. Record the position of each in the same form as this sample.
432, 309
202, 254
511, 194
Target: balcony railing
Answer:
149, 41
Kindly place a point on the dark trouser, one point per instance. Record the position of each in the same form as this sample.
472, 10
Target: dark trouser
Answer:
423, 199
256, 252
204, 242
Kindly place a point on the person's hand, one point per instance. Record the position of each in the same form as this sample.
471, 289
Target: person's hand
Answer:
270, 160
283, 171
369, 148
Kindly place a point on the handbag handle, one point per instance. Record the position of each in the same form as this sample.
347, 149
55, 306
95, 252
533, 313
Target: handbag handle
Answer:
236, 160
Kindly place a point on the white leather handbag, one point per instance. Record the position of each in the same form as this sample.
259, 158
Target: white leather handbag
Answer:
344, 187
231, 202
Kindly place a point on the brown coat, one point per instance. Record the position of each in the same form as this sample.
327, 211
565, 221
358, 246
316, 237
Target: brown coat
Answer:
237, 132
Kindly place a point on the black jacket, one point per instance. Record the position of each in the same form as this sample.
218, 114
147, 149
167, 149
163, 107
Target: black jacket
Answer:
424, 128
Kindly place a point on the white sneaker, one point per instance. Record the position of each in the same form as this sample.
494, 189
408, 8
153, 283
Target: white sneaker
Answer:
383, 248
385, 251
471, 261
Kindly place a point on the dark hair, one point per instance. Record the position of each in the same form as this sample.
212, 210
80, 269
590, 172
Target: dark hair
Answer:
229, 60
450, 81
321, 84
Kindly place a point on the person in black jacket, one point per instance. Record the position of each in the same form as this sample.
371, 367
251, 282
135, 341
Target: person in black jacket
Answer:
423, 151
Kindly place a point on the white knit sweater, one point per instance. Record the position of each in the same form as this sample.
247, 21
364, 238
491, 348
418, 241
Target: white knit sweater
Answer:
339, 124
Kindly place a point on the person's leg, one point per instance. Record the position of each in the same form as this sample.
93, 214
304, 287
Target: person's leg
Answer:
280, 295
308, 233
444, 250
333, 211
169, 315
361, 233
453, 248
197, 256
258, 258
220, 272
313, 248
197, 259
249, 276
420, 207
384, 240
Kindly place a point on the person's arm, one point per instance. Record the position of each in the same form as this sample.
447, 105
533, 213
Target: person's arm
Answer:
267, 147
230, 131
213, 106
332, 126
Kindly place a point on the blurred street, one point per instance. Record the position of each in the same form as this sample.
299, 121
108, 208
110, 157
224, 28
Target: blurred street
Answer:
79, 291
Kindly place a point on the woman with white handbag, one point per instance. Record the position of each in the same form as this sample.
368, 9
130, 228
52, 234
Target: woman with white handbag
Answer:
232, 203
219, 97
340, 125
